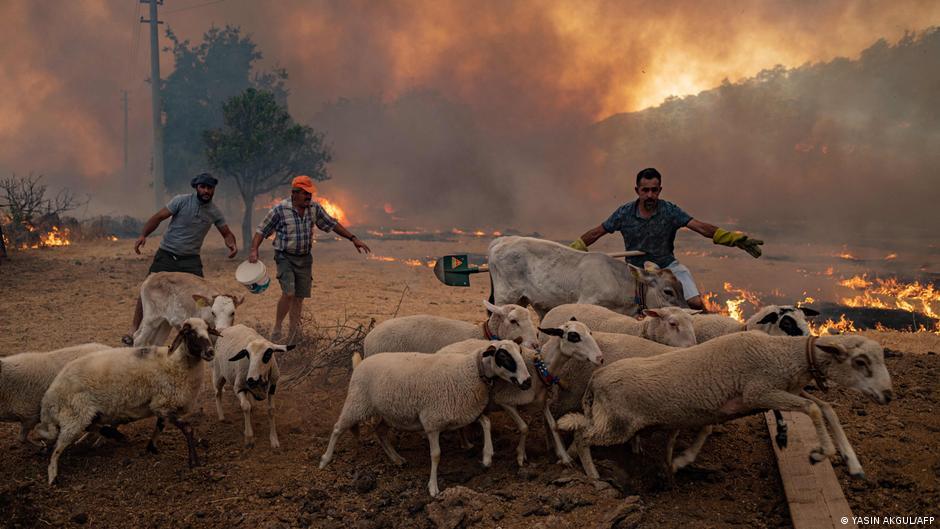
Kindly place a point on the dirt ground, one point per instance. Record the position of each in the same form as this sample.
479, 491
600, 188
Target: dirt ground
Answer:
58, 297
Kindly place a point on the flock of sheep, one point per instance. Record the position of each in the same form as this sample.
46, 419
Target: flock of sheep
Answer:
601, 377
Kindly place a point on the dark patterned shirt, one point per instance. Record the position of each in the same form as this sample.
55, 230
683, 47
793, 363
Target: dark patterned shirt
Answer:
294, 233
656, 235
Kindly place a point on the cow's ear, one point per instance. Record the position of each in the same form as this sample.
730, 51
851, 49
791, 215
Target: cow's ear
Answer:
237, 300
770, 318
202, 301
650, 266
552, 332
638, 273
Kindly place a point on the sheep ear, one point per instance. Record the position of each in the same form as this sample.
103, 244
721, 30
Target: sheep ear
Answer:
837, 352
289, 347
178, 340
491, 308
573, 319
267, 355
808, 312
770, 318
518, 340
202, 301
552, 332
652, 313
214, 332
490, 351
692, 311
241, 354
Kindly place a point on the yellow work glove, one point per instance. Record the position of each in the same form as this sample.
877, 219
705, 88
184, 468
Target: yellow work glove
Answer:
579, 245
736, 238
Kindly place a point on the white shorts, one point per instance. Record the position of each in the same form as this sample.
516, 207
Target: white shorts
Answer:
685, 277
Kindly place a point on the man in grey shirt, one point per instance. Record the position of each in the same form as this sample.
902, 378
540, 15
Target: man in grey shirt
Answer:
650, 224
192, 216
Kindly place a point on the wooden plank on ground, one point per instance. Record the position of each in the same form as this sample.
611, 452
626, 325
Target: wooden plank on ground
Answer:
813, 492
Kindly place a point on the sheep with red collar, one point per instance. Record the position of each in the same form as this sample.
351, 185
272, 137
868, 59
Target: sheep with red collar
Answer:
246, 362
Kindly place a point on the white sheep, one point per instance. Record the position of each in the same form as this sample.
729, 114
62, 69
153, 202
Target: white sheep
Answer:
423, 333
571, 340
426, 392
723, 379
245, 361
117, 386
168, 298
25, 377
666, 325
776, 320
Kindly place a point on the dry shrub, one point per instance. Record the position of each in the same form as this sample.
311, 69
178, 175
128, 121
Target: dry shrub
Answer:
321, 349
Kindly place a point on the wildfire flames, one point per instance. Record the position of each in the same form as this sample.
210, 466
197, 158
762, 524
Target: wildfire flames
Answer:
332, 208
410, 262
893, 294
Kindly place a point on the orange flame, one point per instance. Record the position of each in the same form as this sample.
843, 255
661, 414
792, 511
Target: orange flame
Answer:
842, 326
334, 210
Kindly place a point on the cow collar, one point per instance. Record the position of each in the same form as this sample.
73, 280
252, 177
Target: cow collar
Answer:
639, 296
813, 364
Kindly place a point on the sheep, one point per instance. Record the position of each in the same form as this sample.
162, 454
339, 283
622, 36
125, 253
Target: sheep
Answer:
776, 320
570, 340
429, 392
426, 334
576, 375
168, 298
245, 361
117, 386
666, 325
723, 379
25, 377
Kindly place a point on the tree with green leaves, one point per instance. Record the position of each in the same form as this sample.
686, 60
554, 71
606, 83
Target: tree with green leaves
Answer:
204, 77
261, 148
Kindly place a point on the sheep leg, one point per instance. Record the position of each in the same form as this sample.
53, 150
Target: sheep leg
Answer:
464, 439
781, 437
689, 454
272, 436
487, 442
523, 431
670, 446
341, 426
559, 446
785, 401
187, 430
381, 433
25, 428
246, 411
68, 433
157, 429
584, 453
842, 441
635, 446
434, 440
219, 386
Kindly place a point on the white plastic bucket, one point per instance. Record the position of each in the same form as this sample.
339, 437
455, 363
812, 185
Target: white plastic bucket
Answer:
253, 275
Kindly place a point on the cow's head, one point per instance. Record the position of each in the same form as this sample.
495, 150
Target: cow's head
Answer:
219, 311
663, 289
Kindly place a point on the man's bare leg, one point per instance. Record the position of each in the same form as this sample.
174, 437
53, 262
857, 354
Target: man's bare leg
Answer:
283, 306
296, 310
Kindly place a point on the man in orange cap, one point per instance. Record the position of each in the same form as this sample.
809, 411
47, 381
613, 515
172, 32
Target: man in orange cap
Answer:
292, 221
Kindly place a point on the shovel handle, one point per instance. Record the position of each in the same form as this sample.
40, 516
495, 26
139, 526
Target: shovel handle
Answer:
628, 253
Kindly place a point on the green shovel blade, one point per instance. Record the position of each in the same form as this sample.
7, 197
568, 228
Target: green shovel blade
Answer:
454, 270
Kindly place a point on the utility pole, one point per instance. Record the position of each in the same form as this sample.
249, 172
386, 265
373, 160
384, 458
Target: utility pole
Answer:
158, 181
124, 99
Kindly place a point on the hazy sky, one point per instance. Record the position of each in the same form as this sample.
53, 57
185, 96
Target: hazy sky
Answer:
521, 69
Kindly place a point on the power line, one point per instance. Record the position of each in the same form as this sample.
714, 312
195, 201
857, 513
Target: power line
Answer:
177, 10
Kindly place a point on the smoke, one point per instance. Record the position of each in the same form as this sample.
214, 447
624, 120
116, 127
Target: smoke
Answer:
479, 114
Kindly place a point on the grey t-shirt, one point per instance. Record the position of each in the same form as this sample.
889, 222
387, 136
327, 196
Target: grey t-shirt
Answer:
190, 224
656, 235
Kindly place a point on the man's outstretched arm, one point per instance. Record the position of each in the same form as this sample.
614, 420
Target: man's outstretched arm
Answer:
150, 226
726, 238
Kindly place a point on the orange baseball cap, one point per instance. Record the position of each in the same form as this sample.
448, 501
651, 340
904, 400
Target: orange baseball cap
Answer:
304, 182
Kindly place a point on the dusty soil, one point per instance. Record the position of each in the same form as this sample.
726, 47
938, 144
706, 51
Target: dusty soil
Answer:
86, 292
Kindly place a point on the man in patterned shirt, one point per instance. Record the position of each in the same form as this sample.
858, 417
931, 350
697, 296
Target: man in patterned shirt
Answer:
650, 225
292, 221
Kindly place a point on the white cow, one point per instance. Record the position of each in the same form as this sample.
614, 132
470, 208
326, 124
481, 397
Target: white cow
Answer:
545, 274
169, 298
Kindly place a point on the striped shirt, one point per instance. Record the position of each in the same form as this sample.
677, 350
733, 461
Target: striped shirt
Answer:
293, 232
